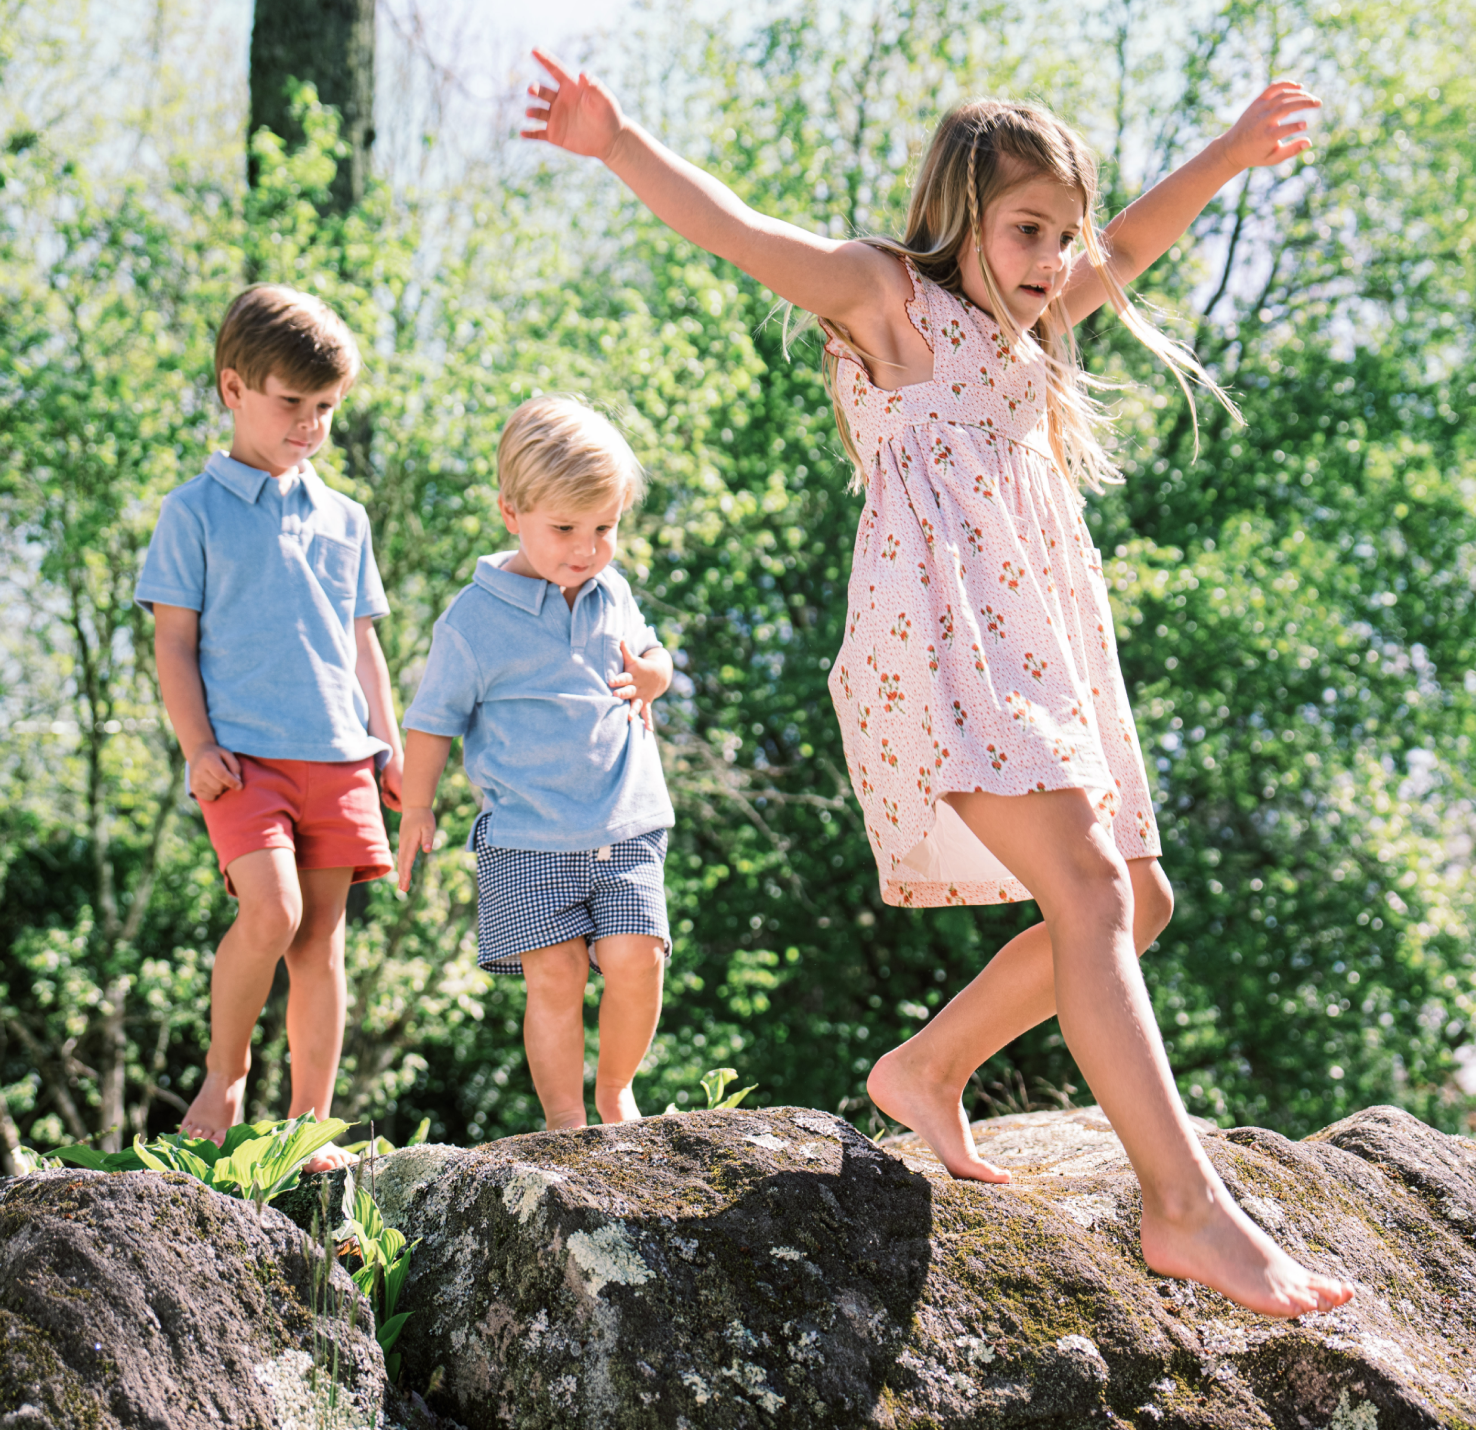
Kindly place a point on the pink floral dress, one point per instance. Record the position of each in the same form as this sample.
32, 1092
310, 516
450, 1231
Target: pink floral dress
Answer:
979, 652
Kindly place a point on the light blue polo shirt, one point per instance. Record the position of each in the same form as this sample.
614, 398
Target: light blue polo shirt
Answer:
525, 681
278, 579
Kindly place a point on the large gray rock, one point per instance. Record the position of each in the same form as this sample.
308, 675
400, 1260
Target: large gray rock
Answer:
773, 1268
144, 1299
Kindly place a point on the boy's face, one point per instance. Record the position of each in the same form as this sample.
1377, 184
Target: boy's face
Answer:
566, 548
281, 426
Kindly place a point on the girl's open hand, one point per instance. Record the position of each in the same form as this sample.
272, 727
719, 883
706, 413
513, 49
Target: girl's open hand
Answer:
578, 114
1266, 133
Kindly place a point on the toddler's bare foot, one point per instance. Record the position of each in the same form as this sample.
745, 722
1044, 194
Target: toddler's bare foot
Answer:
329, 1159
564, 1121
908, 1096
616, 1104
1222, 1248
216, 1108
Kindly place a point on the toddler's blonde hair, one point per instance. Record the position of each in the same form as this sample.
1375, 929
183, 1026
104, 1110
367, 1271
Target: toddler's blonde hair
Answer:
558, 451
980, 152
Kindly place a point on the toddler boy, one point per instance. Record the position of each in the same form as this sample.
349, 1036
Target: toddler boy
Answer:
264, 592
546, 668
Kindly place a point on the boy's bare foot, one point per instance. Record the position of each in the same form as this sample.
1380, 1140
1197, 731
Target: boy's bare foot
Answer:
909, 1097
329, 1159
216, 1108
616, 1104
1222, 1248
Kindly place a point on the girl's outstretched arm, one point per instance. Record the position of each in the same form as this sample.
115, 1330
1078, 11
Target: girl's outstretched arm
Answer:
847, 282
1265, 134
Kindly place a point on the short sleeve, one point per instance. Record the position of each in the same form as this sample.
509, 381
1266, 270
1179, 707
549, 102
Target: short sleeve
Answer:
451, 687
174, 569
638, 636
370, 599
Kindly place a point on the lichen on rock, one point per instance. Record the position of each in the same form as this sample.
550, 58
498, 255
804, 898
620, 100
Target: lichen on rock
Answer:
773, 1268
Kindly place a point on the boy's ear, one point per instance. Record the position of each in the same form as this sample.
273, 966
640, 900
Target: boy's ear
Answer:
509, 516
232, 387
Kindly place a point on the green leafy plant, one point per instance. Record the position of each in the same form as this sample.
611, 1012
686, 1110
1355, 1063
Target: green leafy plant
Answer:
715, 1083
384, 1260
382, 1146
256, 1162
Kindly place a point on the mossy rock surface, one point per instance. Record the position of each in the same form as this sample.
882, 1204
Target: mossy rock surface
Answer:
144, 1299
773, 1268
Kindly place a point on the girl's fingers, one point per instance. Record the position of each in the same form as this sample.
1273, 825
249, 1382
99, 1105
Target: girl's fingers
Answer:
551, 64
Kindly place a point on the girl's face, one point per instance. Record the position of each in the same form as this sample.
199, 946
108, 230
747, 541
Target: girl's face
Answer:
1028, 236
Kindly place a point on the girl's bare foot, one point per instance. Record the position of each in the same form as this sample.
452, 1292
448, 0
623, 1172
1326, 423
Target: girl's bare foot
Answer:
216, 1108
1219, 1246
908, 1096
616, 1104
329, 1159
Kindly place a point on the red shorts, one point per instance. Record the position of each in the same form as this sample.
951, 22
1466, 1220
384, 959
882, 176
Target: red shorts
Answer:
328, 814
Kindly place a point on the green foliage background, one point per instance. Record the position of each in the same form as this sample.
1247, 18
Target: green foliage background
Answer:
1294, 605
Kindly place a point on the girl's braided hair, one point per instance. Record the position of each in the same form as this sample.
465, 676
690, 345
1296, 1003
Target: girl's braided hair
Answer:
980, 151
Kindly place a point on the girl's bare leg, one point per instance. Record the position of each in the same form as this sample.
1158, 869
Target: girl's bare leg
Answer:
634, 967
317, 1000
553, 1029
1015, 992
1191, 1226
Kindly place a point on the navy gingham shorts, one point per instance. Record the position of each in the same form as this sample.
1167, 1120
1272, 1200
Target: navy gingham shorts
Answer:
534, 898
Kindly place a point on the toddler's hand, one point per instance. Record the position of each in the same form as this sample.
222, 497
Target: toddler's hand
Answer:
641, 682
1264, 134
417, 834
213, 771
579, 115
391, 777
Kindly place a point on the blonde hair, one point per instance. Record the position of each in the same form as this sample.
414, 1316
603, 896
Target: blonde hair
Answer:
271, 330
560, 451
980, 151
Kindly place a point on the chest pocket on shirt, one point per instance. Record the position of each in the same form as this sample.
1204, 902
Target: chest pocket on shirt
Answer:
336, 565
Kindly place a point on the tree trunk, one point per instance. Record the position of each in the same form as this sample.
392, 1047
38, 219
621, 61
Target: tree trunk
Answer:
329, 44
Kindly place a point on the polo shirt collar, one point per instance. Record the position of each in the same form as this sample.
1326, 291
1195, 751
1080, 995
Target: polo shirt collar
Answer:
524, 592
247, 482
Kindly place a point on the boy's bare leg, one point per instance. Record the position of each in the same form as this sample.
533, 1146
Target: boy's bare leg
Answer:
634, 967
553, 1029
317, 999
267, 920
1191, 1226
1015, 991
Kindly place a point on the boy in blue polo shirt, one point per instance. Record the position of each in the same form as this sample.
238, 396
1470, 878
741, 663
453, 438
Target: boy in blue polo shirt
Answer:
264, 592
546, 668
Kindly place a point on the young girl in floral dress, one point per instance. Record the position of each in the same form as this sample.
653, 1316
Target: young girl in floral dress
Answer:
986, 725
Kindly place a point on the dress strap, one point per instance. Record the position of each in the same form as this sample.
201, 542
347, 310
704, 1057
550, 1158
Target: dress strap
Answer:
919, 306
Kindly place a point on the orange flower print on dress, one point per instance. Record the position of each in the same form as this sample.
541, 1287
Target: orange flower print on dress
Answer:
996, 578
